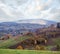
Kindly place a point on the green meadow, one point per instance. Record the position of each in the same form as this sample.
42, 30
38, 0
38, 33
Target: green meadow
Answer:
11, 51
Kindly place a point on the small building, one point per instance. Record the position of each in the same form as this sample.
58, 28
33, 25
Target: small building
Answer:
58, 25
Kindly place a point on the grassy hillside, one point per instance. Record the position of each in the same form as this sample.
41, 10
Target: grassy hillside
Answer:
57, 41
8, 51
7, 43
13, 41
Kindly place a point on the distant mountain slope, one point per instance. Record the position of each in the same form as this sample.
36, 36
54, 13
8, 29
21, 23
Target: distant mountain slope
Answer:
29, 21
23, 26
36, 21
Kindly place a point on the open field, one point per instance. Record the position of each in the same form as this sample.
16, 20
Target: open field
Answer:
10, 51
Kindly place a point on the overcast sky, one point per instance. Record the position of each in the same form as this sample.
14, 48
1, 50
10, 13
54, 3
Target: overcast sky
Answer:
13, 10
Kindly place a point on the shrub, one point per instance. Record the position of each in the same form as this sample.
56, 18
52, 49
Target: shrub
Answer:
19, 47
37, 47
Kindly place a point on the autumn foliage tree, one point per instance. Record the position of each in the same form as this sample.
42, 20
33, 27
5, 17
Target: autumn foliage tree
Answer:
20, 47
37, 47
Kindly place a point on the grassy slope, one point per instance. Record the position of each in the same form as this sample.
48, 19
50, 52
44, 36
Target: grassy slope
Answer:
9, 51
57, 41
10, 42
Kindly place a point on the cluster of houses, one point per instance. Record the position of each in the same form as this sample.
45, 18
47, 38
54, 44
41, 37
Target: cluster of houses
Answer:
51, 31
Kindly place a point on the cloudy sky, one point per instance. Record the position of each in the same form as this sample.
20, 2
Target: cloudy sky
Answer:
13, 10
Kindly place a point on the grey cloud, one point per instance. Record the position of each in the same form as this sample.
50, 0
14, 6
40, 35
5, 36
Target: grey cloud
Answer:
48, 5
19, 2
37, 13
56, 14
45, 7
3, 14
17, 14
58, 1
14, 2
55, 10
57, 18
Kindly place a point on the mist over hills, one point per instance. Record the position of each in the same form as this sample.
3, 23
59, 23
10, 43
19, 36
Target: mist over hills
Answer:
23, 26
29, 21
37, 21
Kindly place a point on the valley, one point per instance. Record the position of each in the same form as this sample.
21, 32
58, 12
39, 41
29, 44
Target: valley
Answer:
29, 37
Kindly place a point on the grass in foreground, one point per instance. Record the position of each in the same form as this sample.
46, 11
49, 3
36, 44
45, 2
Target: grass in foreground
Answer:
10, 51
